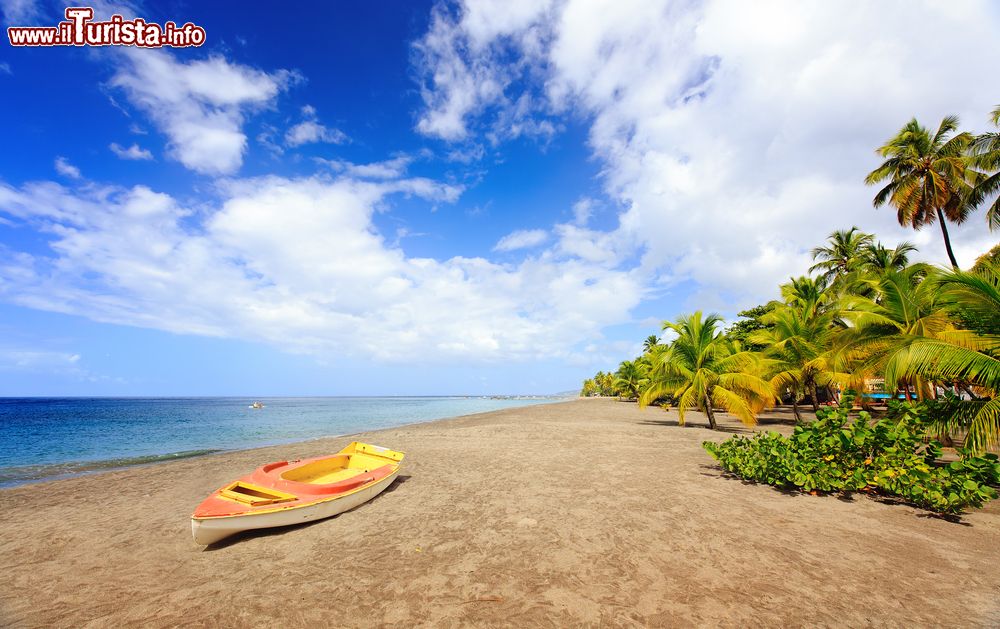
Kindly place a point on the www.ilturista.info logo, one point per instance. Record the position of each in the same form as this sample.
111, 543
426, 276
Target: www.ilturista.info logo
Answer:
79, 29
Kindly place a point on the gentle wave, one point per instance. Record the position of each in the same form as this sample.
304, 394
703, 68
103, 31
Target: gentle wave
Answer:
27, 473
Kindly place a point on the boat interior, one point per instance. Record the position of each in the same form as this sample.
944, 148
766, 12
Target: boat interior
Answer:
356, 459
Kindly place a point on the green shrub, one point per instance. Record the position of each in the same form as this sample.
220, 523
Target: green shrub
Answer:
889, 456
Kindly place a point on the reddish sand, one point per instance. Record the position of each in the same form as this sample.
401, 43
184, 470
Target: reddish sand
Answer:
585, 513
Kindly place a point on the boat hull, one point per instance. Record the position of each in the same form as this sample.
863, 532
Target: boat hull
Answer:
213, 529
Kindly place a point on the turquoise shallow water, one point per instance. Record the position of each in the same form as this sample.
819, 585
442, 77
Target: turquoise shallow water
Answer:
44, 438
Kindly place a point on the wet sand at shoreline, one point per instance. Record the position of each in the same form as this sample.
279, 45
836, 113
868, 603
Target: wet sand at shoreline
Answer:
582, 513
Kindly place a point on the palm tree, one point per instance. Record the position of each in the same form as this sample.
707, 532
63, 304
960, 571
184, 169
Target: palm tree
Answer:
876, 258
798, 340
630, 378
650, 343
702, 369
986, 156
808, 293
968, 356
905, 306
929, 177
973, 297
843, 253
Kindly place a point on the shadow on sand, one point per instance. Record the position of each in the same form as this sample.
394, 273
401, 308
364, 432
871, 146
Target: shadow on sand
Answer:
892, 501
780, 416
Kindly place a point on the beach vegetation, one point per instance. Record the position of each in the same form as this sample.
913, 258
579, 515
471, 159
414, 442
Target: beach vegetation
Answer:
890, 457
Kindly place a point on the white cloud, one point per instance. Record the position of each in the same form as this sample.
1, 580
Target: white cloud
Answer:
200, 105
298, 263
595, 246
20, 12
310, 131
456, 84
30, 359
64, 168
134, 152
582, 210
387, 169
522, 239
736, 136
49, 362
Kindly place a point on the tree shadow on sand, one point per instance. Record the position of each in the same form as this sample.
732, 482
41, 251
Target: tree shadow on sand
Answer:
730, 425
281, 530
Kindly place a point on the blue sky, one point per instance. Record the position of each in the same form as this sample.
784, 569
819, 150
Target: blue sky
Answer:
417, 198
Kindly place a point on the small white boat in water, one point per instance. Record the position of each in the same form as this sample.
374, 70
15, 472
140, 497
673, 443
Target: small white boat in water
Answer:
256, 405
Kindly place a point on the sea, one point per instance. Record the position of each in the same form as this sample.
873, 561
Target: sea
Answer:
50, 438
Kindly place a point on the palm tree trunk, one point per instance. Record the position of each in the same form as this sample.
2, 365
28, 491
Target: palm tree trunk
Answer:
947, 240
830, 394
964, 388
709, 412
795, 408
813, 394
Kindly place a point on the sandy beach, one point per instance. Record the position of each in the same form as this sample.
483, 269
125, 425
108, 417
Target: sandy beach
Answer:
582, 513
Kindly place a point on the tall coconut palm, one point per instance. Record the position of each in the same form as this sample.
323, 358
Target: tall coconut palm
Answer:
701, 369
843, 253
986, 156
929, 177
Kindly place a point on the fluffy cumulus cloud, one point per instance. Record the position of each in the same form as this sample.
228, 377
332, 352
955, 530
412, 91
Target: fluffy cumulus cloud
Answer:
199, 105
298, 263
735, 136
458, 59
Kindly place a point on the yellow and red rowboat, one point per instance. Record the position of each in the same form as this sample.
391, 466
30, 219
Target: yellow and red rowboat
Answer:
292, 492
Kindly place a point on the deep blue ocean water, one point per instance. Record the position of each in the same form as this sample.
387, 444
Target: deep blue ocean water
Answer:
44, 438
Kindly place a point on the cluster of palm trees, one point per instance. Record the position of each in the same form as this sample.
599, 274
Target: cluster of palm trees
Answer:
865, 317
869, 320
